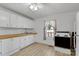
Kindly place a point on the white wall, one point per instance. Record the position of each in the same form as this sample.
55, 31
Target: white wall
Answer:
64, 21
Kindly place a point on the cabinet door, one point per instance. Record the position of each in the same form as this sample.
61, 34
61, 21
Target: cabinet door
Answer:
13, 20
0, 47
28, 40
28, 23
23, 22
21, 42
15, 44
4, 18
10, 46
31, 39
6, 46
20, 23
31, 24
24, 41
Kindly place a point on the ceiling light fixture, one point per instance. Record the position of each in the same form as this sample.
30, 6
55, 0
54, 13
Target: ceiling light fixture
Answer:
34, 6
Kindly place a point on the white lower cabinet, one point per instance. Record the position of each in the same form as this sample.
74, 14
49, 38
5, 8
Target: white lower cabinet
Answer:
21, 42
6, 46
11, 19
25, 41
12, 45
15, 44
0, 47
9, 46
30, 40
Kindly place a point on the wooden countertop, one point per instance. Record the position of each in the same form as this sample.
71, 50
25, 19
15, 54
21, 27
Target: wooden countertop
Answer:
6, 36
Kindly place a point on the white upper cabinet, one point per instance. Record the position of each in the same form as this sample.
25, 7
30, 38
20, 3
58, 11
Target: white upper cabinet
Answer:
24, 22
28, 23
11, 19
31, 24
4, 18
20, 22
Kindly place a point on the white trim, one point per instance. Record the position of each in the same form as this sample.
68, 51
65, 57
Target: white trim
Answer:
8, 54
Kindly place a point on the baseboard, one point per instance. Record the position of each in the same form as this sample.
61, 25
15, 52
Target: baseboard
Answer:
27, 46
9, 54
44, 44
13, 52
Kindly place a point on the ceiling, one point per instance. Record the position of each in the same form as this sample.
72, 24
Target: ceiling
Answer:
48, 9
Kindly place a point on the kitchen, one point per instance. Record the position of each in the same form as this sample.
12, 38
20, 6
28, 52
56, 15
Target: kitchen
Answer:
26, 29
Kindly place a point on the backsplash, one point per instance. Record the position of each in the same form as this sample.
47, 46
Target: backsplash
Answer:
14, 30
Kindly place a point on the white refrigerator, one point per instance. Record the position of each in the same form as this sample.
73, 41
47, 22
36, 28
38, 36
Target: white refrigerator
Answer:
77, 33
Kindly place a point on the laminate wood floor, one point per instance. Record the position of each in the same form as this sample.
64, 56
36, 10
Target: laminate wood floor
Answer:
38, 49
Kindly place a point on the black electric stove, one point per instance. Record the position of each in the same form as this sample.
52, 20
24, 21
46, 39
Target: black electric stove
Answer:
63, 40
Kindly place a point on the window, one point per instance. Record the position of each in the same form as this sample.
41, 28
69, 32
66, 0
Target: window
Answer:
50, 27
